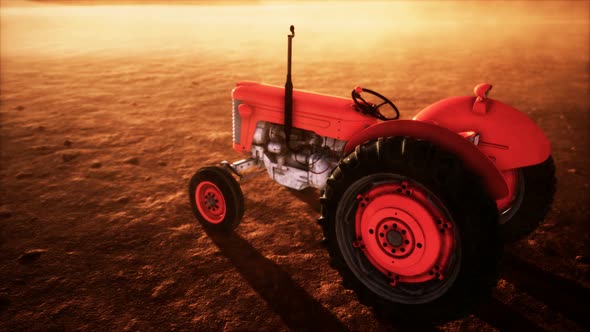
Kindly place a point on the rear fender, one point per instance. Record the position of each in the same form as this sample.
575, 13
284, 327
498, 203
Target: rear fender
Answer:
444, 138
507, 136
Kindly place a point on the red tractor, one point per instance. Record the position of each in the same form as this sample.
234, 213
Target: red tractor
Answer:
414, 212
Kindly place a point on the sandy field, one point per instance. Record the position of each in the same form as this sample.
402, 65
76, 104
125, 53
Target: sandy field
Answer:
106, 112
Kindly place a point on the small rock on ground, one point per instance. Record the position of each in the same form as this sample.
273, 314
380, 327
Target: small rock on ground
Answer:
31, 255
22, 175
122, 200
583, 259
162, 288
5, 212
96, 164
69, 156
41, 147
132, 161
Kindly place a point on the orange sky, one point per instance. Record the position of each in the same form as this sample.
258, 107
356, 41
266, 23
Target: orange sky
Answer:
50, 28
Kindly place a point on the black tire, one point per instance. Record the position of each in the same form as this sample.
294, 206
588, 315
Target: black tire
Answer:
473, 272
532, 203
219, 190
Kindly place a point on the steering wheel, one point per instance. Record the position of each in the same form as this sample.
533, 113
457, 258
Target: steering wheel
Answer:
372, 109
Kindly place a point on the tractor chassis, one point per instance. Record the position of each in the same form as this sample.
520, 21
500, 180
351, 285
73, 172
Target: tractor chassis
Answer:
238, 167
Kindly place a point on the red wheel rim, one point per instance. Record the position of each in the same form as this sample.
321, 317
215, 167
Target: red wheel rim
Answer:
210, 202
404, 233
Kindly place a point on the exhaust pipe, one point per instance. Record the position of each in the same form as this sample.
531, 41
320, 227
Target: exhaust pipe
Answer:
289, 92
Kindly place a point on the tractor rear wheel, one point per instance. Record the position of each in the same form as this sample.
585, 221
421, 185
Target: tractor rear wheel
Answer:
535, 191
410, 230
216, 198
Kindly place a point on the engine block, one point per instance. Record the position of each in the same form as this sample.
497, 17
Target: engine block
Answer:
306, 161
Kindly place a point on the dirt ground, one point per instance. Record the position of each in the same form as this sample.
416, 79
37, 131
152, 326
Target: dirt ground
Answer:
106, 112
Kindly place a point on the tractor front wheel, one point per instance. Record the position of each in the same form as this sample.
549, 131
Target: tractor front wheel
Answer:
411, 230
216, 198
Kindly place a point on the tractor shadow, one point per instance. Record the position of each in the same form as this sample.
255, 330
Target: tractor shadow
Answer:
503, 317
560, 294
297, 309
309, 196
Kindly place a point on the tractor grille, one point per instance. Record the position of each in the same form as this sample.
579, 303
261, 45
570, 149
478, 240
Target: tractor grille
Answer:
236, 123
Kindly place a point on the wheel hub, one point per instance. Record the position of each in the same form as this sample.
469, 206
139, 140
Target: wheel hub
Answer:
395, 238
210, 202
403, 233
